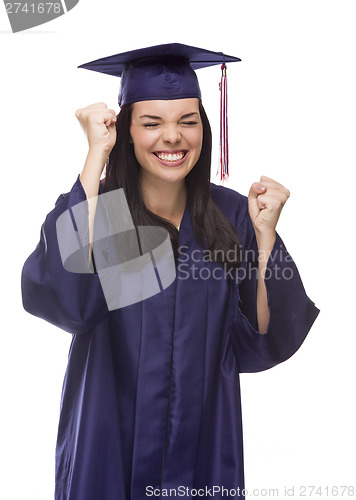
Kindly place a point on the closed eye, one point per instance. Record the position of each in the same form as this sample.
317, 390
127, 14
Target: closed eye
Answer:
150, 125
187, 123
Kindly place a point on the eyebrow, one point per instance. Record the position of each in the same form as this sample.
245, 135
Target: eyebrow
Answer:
183, 117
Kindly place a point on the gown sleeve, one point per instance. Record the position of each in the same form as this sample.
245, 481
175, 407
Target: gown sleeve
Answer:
292, 313
69, 300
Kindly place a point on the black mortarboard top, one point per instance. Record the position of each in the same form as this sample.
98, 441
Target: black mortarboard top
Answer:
160, 72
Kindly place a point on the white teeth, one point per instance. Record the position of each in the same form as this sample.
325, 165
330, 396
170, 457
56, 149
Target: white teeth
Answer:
170, 157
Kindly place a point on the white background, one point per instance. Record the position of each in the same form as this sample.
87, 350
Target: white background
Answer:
292, 111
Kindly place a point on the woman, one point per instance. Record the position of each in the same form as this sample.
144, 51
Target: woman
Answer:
151, 397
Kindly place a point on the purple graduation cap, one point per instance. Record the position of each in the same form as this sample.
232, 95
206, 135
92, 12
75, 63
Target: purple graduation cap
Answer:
165, 72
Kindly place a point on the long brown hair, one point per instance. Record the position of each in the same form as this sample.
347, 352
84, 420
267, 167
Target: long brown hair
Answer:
213, 230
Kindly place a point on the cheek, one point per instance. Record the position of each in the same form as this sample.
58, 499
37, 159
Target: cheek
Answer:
142, 140
139, 144
197, 140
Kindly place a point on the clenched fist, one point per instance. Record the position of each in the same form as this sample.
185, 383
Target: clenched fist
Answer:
98, 122
265, 201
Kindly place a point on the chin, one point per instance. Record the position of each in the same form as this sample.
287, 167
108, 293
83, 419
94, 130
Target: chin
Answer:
168, 174
172, 177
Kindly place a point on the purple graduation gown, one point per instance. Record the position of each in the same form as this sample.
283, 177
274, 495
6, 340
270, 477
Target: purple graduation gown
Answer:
151, 395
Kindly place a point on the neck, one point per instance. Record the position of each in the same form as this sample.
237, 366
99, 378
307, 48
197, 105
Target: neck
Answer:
166, 199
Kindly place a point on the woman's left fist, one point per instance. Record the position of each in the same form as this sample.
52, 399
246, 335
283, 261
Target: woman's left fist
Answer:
265, 202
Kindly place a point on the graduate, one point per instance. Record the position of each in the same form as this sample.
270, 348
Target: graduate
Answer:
151, 397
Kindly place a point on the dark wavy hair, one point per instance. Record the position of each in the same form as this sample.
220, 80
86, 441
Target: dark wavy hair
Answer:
213, 230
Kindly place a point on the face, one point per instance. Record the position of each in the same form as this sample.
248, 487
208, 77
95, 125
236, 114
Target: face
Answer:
167, 138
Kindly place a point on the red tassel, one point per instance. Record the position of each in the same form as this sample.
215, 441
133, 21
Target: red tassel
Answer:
224, 143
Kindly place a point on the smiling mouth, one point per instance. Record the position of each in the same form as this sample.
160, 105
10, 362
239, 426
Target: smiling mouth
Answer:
173, 157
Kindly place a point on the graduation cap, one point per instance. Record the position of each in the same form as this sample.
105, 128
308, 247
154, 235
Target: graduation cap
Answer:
165, 72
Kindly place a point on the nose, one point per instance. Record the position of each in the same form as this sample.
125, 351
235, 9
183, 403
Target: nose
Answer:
171, 134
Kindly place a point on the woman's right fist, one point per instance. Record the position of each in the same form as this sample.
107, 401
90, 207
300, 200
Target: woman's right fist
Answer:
98, 123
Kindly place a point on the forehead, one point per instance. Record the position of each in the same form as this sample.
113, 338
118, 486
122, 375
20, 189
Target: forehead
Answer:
165, 109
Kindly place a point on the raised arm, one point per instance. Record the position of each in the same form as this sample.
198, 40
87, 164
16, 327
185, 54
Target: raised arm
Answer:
98, 123
73, 301
272, 312
266, 200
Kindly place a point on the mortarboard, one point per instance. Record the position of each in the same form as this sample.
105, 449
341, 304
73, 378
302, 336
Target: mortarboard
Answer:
165, 72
